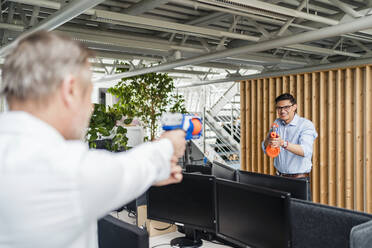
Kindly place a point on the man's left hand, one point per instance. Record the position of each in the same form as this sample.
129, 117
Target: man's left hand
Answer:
175, 175
276, 142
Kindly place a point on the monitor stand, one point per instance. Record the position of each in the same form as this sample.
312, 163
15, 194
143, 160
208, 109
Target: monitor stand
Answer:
191, 240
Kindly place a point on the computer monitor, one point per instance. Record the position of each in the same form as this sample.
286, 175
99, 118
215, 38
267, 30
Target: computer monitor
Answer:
203, 169
297, 187
254, 216
190, 203
114, 233
222, 171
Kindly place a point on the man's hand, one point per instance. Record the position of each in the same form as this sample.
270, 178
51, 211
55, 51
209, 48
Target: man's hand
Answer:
175, 176
177, 137
275, 142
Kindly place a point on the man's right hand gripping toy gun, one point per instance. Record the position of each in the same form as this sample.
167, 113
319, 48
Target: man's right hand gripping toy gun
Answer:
191, 124
271, 151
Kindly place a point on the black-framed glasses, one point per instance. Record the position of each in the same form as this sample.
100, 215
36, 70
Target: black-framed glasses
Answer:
285, 108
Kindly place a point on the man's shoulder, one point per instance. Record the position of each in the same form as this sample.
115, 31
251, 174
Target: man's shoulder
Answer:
305, 121
307, 125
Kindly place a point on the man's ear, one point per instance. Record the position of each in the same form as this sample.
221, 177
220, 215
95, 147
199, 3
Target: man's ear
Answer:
68, 90
295, 105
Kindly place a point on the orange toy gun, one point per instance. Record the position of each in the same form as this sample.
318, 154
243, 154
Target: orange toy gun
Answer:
270, 151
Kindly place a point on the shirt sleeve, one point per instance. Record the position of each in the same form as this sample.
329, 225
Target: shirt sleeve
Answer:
110, 180
307, 137
263, 147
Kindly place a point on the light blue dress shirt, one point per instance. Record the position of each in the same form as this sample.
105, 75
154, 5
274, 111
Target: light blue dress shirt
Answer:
299, 131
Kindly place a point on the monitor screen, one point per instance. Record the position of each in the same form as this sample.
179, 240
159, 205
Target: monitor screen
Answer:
248, 215
190, 202
297, 187
222, 171
203, 169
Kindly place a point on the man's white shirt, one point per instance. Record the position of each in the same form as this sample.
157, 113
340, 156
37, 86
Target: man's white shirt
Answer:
53, 191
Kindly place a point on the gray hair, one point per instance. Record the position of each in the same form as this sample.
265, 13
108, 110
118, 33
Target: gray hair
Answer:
39, 63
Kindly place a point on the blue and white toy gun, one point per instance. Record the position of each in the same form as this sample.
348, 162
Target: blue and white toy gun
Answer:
191, 124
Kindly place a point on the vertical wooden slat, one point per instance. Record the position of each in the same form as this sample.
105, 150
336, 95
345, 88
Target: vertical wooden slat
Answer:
254, 124
340, 138
349, 158
265, 126
331, 139
292, 85
299, 94
248, 121
285, 88
359, 142
272, 95
315, 119
323, 167
259, 130
307, 96
279, 86
243, 112
307, 104
368, 139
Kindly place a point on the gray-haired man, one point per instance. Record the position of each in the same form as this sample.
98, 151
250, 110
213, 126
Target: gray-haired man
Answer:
52, 188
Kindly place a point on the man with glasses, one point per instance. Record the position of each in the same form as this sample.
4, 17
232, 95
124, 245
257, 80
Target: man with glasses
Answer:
296, 138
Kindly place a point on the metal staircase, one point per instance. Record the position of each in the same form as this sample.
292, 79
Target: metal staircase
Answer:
227, 142
221, 139
225, 99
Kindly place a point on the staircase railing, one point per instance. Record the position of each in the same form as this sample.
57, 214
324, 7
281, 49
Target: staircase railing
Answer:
222, 120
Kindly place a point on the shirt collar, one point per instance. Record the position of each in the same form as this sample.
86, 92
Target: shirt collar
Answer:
293, 122
24, 123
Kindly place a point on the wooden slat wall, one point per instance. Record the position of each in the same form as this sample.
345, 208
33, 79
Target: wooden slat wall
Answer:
339, 103
2, 104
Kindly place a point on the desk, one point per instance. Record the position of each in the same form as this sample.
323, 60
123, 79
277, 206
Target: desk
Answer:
166, 238
162, 239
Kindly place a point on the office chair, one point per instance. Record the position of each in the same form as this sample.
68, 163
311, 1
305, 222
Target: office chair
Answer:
361, 235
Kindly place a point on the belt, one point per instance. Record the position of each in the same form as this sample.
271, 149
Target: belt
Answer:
297, 175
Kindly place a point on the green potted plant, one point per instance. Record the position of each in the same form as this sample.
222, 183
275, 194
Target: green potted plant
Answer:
104, 128
147, 97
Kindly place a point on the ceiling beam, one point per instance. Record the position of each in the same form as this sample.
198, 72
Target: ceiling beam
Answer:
171, 27
282, 72
354, 26
207, 19
243, 5
58, 18
97, 39
144, 6
347, 9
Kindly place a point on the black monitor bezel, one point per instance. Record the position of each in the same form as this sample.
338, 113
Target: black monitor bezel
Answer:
203, 228
202, 169
285, 195
225, 167
287, 179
